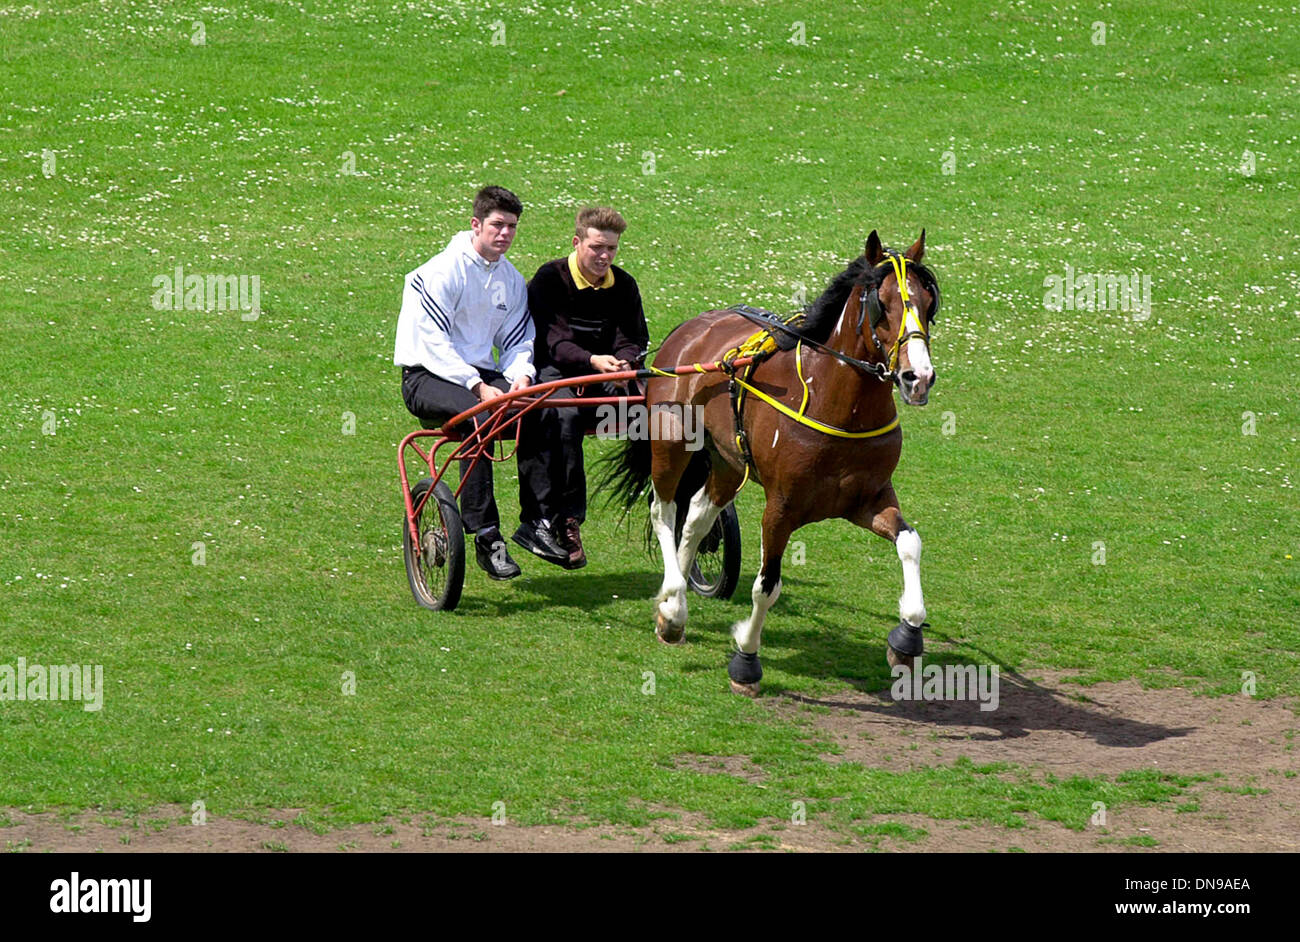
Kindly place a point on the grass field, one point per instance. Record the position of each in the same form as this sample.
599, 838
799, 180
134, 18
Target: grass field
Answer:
328, 149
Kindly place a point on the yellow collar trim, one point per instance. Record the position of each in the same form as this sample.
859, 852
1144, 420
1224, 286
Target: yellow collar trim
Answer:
581, 282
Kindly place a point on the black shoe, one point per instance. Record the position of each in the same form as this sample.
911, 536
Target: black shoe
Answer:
538, 538
572, 540
492, 556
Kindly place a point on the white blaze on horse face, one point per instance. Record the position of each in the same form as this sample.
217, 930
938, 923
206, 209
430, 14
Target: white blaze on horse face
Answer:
911, 606
918, 354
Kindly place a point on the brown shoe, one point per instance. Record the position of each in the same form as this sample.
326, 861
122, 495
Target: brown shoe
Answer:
572, 540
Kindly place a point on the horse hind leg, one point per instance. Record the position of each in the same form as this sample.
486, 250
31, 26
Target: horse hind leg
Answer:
705, 506
668, 462
700, 515
745, 670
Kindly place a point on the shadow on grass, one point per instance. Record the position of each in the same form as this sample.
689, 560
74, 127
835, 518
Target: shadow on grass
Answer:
575, 589
822, 649
1023, 706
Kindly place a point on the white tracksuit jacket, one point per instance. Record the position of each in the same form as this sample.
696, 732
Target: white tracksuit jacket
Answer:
456, 307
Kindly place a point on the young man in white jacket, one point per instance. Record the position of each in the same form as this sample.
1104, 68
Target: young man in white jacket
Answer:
456, 307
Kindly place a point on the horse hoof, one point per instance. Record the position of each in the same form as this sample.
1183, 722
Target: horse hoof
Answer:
895, 659
667, 632
745, 671
904, 643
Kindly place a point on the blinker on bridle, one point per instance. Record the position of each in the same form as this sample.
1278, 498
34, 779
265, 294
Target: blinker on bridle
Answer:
913, 327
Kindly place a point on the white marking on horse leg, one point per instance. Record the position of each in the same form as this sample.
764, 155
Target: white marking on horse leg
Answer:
911, 606
748, 632
699, 518
672, 594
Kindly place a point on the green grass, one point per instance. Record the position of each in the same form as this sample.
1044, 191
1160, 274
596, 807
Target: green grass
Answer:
1137, 840
772, 161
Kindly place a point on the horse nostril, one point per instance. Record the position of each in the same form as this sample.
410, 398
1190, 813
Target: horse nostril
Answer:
908, 376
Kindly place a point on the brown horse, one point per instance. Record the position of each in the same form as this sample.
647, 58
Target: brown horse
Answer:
818, 429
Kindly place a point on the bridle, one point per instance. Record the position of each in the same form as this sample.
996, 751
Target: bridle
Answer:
869, 303
913, 327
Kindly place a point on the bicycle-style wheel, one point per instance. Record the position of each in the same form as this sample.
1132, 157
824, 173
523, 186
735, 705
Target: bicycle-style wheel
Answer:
436, 567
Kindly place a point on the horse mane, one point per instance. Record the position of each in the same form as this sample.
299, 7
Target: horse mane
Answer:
822, 315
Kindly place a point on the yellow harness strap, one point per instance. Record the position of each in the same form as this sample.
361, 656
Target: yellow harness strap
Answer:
813, 423
798, 368
762, 344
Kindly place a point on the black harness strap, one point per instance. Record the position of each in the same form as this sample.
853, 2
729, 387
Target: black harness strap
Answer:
878, 370
738, 413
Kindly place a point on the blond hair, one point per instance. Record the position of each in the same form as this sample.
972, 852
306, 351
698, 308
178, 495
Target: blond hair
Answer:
601, 218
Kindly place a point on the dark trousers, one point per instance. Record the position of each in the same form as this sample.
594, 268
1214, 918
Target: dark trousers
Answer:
567, 469
434, 400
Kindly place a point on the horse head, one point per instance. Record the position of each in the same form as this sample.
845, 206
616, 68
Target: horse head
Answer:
901, 312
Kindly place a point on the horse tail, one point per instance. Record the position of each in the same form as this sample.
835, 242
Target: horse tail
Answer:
625, 473
625, 478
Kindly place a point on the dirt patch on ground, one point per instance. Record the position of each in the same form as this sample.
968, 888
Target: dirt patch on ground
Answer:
1052, 727
169, 829
739, 766
1042, 724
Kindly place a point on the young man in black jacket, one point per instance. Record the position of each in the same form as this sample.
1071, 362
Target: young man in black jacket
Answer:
589, 319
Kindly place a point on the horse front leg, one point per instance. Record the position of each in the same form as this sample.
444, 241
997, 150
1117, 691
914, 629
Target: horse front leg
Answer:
745, 670
884, 518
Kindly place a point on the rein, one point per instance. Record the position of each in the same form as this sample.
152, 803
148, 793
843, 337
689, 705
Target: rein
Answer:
878, 370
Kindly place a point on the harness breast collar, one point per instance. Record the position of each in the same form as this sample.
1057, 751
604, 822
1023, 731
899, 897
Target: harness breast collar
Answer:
740, 385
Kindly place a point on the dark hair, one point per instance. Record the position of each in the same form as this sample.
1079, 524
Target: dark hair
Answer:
492, 198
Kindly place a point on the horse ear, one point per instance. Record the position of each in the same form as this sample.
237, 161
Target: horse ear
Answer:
874, 251
917, 251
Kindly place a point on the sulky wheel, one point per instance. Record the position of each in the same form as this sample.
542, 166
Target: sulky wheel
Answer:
435, 568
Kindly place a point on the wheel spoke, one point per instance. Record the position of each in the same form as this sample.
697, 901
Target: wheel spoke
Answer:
435, 559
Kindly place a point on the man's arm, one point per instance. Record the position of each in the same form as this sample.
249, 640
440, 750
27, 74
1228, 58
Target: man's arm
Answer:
515, 340
547, 293
434, 301
631, 336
